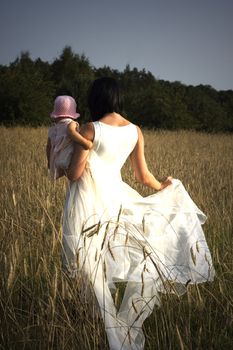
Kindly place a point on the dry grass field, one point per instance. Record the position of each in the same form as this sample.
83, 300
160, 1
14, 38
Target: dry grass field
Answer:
41, 308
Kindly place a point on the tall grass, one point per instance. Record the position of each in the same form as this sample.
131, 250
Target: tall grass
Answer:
41, 308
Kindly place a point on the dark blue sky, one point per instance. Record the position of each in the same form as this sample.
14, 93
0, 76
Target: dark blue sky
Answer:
186, 40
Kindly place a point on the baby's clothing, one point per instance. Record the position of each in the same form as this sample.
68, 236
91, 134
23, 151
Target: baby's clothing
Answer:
61, 147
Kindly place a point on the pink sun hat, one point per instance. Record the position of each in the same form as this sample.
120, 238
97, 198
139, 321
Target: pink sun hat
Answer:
64, 106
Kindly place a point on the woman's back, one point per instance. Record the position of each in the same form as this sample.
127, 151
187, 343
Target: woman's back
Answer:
111, 147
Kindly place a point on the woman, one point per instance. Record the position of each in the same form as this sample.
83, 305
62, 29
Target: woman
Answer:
120, 236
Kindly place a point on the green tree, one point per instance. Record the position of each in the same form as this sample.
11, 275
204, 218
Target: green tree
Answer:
203, 103
226, 102
28, 89
72, 75
25, 94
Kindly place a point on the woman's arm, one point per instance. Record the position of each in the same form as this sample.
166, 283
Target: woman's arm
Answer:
77, 137
80, 155
142, 173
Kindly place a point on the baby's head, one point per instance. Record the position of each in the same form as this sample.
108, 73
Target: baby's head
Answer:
64, 107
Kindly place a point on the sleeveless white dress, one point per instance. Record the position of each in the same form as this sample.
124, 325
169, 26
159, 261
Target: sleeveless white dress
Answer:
111, 233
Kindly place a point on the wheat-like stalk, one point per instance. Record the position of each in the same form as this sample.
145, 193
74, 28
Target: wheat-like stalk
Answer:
43, 308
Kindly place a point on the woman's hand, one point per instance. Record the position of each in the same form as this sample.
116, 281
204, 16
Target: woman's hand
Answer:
166, 183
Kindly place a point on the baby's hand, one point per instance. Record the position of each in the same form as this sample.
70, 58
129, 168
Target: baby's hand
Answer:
166, 183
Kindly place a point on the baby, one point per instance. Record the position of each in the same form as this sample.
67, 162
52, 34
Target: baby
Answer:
62, 134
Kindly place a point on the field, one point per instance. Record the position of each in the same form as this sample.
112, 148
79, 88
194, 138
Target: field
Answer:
41, 308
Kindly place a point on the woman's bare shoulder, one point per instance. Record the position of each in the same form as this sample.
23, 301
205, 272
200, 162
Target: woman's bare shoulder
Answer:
140, 134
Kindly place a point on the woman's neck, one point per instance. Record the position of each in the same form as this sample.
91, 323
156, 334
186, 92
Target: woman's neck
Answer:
114, 119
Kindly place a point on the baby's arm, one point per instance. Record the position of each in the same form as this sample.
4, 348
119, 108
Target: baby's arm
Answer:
77, 137
48, 149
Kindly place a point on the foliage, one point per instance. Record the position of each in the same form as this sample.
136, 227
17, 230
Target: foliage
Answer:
26, 92
29, 87
72, 75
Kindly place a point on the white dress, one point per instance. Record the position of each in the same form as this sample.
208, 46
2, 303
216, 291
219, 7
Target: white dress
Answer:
155, 243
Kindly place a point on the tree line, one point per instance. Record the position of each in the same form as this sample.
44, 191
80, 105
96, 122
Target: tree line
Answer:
28, 88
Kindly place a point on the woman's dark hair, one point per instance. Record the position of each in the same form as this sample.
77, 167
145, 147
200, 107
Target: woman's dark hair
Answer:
104, 97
